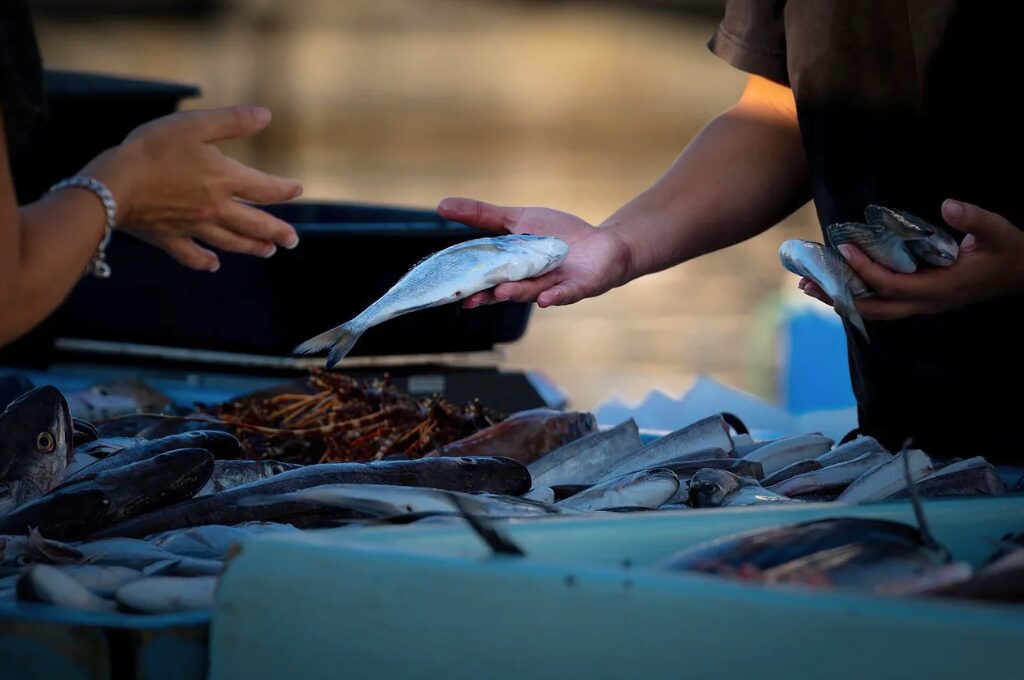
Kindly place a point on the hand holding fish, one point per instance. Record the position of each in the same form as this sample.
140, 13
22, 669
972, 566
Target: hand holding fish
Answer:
598, 260
174, 187
990, 265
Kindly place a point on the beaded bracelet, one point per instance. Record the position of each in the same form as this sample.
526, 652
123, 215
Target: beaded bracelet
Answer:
98, 267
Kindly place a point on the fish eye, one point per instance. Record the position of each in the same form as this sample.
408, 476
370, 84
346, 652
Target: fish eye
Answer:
709, 488
45, 442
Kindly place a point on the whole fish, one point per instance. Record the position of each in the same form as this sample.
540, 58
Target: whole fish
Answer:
219, 444
926, 241
144, 556
102, 580
971, 477
227, 474
448, 276
94, 501
692, 440
827, 268
524, 436
213, 541
585, 460
887, 478
18, 551
495, 475
105, 446
35, 446
44, 583
788, 450
722, 489
792, 470
851, 450
168, 594
644, 489
120, 397
877, 242
830, 481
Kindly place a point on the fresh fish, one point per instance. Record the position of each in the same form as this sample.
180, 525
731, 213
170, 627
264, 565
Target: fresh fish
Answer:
44, 583
523, 436
749, 447
144, 556
168, 594
102, 580
585, 460
722, 489
495, 475
643, 489
999, 581
685, 469
227, 474
792, 470
877, 242
544, 494
121, 397
887, 478
830, 481
829, 270
94, 501
788, 450
220, 444
851, 450
445, 277
971, 477
78, 461
928, 242
693, 440
213, 541
18, 551
35, 446
106, 446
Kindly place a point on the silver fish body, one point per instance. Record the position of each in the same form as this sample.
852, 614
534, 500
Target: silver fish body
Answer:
168, 594
877, 242
792, 470
928, 242
587, 459
212, 541
887, 478
44, 583
971, 477
103, 580
144, 556
644, 489
722, 489
788, 450
695, 439
831, 480
829, 270
851, 450
227, 474
445, 277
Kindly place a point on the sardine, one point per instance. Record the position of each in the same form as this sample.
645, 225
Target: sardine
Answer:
213, 541
928, 242
851, 450
788, 450
830, 481
971, 477
220, 444
722, 489
495, 475
887, 478
792, 470
829, 270
644, 489
524, 436
448, 276
585, 460
36, 443
707, 433
877, 242
227, 474
102, 580
43, 583
168, 594
144, 556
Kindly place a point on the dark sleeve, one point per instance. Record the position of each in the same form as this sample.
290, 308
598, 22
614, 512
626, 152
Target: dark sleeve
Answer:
752, 37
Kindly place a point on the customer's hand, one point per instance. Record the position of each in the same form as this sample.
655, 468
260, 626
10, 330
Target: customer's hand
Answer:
173, 187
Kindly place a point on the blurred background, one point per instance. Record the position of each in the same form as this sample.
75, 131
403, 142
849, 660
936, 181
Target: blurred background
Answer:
572, 105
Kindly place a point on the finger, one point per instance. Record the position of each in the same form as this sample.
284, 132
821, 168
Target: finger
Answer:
189, 253
259, 187
257, 224
971, 219
528, 289
803, 283
815, 291
232, 122
485, 297
882, 281
565, 293
230, 241
478, 213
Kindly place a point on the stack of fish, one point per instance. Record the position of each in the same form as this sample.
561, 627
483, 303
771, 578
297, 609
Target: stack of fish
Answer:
895, 239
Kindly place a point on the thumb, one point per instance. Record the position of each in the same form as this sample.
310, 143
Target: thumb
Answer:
976, 221
478, 213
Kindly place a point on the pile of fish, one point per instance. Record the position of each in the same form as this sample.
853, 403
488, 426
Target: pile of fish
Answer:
895, 239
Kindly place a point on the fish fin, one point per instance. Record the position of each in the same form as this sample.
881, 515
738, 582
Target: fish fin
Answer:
498, 542
915, 499
339, 340
848, 310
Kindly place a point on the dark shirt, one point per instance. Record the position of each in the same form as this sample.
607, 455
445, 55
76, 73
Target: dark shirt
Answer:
905, 103
21, 76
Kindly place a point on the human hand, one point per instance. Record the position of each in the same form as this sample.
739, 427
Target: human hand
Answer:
173, 187
990, 265
598, 260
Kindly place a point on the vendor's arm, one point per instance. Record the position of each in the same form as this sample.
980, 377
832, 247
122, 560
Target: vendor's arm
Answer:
744, 172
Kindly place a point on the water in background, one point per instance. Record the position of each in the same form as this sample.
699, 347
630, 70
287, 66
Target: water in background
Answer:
566, 105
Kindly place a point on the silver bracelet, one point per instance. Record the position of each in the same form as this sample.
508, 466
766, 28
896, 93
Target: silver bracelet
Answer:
98, 267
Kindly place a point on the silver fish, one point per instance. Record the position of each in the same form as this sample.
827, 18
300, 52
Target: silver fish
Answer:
788, 450
851, 450
887, 478
928, 242
450, 275
877, 242
695, 439
213, 541
830, 480
722, 489
971, 477
44, 583
829, 270
120, 397
138, 554
102, 580
36, 442
644, 489
168, 594
792, 470
227, 474
585, 460
544, 494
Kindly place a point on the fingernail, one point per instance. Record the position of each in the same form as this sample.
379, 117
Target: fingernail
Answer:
802, 285
270, 253
290, 245
261, 114
502, 298
954, 209
845, 251
215, 267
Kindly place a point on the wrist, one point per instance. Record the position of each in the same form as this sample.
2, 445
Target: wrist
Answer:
112, 168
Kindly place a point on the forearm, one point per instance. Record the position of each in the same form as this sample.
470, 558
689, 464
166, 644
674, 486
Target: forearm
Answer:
742, 174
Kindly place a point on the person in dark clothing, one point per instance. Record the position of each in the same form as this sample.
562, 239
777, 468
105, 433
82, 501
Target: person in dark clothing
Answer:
892, 102
166, 184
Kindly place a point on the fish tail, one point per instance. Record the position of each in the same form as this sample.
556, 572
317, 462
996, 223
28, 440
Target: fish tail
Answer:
339, 340
844, 305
